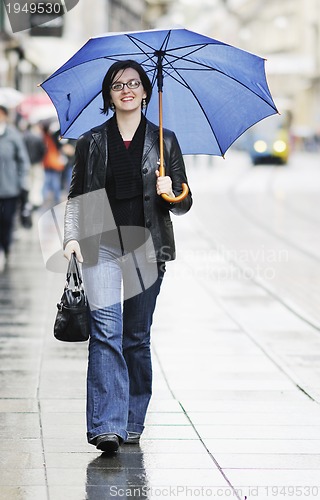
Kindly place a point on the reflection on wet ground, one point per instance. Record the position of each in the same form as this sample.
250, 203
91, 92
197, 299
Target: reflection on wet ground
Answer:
119, 476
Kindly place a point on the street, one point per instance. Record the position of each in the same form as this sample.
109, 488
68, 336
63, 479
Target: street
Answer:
236, 348
263, 226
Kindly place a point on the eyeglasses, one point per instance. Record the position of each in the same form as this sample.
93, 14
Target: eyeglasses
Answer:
131, 84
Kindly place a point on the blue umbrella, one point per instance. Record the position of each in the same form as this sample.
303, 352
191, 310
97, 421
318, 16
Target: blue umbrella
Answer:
209, 92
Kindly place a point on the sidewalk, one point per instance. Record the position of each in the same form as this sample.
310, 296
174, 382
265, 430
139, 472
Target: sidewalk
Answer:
226, 420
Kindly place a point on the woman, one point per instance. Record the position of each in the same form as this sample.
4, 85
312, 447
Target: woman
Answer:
120, 158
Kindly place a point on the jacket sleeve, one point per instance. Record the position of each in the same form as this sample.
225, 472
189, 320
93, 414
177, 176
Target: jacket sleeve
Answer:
73, 207
78, 171
175, 168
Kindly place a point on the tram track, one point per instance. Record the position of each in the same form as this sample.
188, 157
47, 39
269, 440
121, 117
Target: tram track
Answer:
256, 222
232, 193
213, 235
229, 203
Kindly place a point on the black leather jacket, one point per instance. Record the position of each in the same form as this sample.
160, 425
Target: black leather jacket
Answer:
84, 216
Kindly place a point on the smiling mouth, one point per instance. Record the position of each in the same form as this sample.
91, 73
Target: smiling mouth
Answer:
127, 99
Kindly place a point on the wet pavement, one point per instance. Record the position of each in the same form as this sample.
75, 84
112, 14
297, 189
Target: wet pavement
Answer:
235, 410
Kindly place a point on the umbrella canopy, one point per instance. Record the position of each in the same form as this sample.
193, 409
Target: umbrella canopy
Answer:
212, 92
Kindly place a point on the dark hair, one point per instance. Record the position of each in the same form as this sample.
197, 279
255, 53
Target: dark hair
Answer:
4, 110
111, 73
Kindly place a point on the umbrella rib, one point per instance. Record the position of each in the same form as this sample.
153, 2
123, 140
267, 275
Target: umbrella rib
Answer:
170, 75
139, 43
143, 63
115, 56
200, 105
165, 42
197, 63
149, 57
198, 47
142, 51
209, 68
136, 42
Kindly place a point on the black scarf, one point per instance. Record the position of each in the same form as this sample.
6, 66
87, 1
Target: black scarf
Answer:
125, 164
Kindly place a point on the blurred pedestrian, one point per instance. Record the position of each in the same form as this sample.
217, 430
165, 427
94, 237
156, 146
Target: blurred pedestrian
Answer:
36, 148
121, 157
14, 180
53, 163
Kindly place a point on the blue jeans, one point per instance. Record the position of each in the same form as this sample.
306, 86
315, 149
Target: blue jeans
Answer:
119, 378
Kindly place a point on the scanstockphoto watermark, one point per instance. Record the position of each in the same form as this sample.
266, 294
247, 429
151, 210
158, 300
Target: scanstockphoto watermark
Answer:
243, 493
29, 14
176, 491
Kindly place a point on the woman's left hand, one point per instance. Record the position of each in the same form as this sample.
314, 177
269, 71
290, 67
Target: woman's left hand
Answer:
164, 185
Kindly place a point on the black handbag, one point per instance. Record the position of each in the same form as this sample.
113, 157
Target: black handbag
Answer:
72, 320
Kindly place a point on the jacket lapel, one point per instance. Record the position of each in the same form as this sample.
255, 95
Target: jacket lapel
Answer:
151, 137
99, 136
98, 154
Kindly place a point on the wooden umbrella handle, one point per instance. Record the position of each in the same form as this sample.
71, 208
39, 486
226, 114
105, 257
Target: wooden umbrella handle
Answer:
180, 197
185, 188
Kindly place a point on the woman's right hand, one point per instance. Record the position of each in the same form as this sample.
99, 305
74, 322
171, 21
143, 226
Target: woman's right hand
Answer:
73, 247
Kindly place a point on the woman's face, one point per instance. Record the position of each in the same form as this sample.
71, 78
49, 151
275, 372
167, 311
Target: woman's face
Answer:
127, 99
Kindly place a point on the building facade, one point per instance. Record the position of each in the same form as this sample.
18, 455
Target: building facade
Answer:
26, 60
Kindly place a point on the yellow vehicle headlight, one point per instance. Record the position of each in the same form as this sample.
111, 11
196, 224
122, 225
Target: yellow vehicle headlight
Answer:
260, 146
279, 146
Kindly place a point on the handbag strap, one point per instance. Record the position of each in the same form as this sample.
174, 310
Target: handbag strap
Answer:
73, 269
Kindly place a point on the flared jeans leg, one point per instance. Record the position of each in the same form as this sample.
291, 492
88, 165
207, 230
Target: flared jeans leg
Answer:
137, 320
107, 377
107, 380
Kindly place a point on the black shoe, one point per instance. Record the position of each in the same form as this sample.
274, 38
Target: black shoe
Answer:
133, 438
108, 442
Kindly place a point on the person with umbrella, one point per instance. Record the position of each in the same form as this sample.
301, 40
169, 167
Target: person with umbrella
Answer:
209, 93
121, 156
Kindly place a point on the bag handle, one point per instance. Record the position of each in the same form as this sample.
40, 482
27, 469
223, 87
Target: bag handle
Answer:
76, 274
